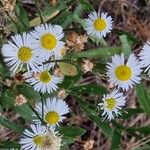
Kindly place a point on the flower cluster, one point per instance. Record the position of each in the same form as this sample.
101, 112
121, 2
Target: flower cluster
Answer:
32, 53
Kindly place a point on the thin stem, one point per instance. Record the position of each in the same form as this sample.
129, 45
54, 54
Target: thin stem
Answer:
50, 61
36, 113
39, 10
42, 101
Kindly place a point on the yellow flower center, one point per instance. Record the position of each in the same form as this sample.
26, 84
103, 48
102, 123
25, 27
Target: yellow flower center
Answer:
99, 24
123, 73
38, 140
110, 103
48, 41
45, 77
24, 54
52, 117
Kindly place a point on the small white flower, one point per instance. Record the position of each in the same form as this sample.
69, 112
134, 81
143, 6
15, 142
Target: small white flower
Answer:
54, 109
19, 53
124, 74
111, 104
145, 57
34, 139
98, 24
43, 81
47, 40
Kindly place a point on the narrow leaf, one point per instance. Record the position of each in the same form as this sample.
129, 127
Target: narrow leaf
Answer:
24, 111
12, 126
8, 145
91, 89
126, 47
71, 131
104, 52
143, 98
116, 139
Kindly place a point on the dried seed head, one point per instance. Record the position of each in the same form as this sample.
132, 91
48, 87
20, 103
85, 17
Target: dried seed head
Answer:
75, 41
19, 79
53, 2
20, 100
8, 82
52, 141
88, 144
62, 94
9, 5
87, 66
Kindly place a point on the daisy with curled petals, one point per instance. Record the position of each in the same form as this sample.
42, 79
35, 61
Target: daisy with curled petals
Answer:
145, 57
124, 74
111, 104
19, 52
47, 40
54, 109
98, 24
33, 139
43, 81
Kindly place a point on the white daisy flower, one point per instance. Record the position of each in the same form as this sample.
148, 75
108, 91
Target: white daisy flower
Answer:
47, 40
98, 24
124, 74
19, 52
43, 81
54, 109
111, 104
145, 57
33, 139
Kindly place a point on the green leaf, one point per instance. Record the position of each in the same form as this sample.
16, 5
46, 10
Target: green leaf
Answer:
67, 141
37, 21
51, 9
126, 47
22, 17
10, 125
69, 81
9, 145
3, 71
25, 112
28, 92
71, 131
129, 36
98, 40
90, 88
93, 116
130, 112
145, 130
49, 13
104, 52
68, 69
116, 139
86, 5
7, 98
143, 98
79, 20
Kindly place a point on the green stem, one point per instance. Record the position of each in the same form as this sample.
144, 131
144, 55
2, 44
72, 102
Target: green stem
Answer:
50, 61
36, 113
37, 2
42, 101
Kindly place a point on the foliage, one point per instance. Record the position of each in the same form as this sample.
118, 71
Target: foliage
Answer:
69, 15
